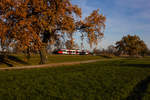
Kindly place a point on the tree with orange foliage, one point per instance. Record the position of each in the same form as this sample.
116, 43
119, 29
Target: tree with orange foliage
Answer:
131, 45
92, 27
34, 23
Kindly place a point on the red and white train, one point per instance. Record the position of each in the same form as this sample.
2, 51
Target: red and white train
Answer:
71, 52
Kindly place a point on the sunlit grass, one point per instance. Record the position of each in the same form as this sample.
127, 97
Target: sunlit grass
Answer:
35, 59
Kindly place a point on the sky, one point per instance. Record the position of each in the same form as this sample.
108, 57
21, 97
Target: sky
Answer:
122, 17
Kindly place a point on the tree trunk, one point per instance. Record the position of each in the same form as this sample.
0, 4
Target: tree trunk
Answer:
28, 54
43, 55
42, 51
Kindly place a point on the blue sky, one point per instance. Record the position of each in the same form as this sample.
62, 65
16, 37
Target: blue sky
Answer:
123, 17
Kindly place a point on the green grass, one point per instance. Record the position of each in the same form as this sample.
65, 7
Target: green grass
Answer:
35, 59
115, 79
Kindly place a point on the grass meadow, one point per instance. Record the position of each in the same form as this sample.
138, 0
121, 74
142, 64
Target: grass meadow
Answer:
112, 79
21, 60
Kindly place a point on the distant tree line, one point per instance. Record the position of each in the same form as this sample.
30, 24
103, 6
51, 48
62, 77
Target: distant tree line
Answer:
127, 46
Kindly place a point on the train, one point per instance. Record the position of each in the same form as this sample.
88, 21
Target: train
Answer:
71, 52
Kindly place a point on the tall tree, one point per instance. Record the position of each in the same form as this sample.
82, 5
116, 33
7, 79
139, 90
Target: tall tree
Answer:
92, 27
131, 45
34, 23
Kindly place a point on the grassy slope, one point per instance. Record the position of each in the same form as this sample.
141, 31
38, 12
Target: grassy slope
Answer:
124, 79
20, 60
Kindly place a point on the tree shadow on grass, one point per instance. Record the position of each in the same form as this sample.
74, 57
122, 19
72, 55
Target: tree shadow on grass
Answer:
6, 59
16, 59
139, 90
2, 61
137, 65
126, 64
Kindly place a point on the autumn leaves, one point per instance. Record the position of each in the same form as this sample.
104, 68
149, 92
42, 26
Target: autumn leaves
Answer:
34, 23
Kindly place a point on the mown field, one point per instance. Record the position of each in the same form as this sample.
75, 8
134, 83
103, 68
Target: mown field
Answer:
112, 79
21, 60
